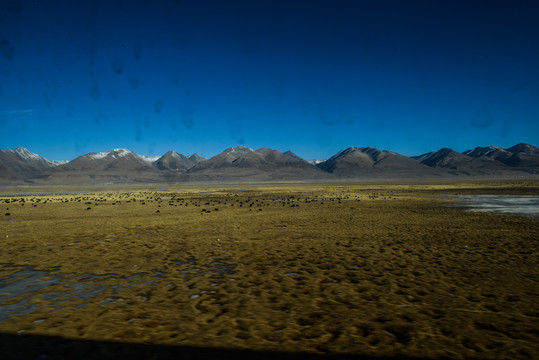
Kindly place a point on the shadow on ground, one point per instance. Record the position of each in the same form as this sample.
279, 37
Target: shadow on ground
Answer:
39, 347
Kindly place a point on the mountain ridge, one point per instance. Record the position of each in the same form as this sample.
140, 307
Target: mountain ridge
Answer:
118, 165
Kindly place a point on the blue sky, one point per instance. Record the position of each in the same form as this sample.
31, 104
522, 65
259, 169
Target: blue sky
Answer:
311, 76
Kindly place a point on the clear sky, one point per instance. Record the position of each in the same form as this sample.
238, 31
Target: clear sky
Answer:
311, 76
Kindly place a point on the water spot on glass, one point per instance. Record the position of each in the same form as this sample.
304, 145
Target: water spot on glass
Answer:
94, 92
92, 50
117, 65
137, 48
13, 6
101, 117
482, 119
158, 106
134, 82
6, 49
187, 117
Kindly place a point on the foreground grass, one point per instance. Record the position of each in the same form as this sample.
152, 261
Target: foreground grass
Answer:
379, 270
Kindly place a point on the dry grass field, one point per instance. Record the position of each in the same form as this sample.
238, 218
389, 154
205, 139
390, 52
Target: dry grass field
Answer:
300, 270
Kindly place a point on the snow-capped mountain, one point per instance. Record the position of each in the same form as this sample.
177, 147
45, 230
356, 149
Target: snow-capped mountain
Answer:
114, 154
120, 153
239, 150
115, 159
25, 154
20, 163
113, 166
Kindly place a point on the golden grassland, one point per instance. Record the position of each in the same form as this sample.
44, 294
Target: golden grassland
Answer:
374, 269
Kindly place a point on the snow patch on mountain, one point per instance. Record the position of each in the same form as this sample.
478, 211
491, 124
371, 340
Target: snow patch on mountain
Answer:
150, 159
491, 149
485, 151
57, 162
25, 154
242, 149
97, 156
114, 153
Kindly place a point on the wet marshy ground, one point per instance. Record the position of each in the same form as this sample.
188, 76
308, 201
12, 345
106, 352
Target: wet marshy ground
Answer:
320, 269
25, 290
504, 204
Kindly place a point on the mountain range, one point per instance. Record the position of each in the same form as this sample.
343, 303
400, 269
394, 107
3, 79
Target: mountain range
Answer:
21, 166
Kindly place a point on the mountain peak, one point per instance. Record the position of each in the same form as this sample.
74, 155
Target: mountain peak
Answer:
196, 158
175, 161
20, 163
290, 153
25, 154
445, 157
172, 153
490, 152
242, 149
523, 148
354, 162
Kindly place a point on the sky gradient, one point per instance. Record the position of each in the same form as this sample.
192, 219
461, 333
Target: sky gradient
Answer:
309, 76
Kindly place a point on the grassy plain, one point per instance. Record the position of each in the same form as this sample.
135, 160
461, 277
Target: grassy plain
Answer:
378, 270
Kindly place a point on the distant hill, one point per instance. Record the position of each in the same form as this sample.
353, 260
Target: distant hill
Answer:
223, 159
490, 160
443, 158
460, 163
242, 162
20, 166
524, 155
366, 161
177, 162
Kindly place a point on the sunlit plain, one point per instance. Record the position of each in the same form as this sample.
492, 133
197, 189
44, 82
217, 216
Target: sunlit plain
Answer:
376, 269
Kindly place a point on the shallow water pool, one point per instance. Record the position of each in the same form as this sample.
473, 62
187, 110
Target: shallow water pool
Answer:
505, 204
